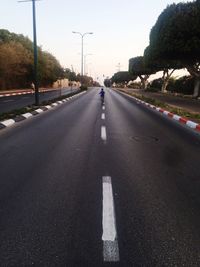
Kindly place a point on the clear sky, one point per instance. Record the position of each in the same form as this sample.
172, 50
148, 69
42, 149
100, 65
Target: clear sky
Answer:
121, 29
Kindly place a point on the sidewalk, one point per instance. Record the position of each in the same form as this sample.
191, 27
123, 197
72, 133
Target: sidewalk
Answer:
188, 104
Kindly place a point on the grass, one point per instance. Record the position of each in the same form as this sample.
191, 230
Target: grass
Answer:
179, 111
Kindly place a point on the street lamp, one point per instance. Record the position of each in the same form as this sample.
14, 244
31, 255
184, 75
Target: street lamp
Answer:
85, 62
35, 51
82, 36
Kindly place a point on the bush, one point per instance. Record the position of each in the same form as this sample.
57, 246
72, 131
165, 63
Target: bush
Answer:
134, 85
155, 85
183, 85
83, 88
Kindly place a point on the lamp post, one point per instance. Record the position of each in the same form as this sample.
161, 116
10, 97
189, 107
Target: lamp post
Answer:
85, 62
82, 36
35, 51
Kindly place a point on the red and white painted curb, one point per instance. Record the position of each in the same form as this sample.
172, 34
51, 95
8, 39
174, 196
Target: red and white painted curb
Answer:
173, 116
10, 122
25, 92
19, 93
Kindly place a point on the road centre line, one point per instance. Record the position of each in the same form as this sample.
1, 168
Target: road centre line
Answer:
109, 236
103, 116
103, 133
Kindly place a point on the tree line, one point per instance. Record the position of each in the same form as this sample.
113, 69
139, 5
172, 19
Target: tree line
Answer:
17, 68
174, 43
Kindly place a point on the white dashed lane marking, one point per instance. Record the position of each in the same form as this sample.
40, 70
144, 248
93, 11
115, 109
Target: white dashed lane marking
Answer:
109, 236
103, 116
103, 133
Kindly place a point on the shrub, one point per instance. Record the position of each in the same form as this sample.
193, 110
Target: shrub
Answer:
83, 88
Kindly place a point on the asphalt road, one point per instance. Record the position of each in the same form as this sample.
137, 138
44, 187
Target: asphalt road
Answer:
81, 185
9, 103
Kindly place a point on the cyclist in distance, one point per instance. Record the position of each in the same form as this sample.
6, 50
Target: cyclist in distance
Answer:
102, 94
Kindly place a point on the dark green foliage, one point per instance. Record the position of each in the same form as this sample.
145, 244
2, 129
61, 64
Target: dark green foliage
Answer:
83, 88
107, 82
177, 31
122, 77
175, 41
138, 67
155, 85
183, 85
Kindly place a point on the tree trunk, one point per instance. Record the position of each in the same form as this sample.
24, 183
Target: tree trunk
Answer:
144, 81
164, 86
196, 88
166, 78
194, 71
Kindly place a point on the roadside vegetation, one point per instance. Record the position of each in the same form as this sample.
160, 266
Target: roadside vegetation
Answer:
16, 64
179, 111
174, 44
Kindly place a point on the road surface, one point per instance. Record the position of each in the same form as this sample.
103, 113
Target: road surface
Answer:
91, 185
9, 103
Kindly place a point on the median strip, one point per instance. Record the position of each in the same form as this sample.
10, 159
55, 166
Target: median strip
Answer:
33, 112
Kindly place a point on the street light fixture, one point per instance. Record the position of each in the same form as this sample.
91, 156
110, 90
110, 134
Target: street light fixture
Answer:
82, 36
35, 51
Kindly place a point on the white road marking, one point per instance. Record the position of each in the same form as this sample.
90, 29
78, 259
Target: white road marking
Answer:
103, 116
103, 107
103, 133
109, 236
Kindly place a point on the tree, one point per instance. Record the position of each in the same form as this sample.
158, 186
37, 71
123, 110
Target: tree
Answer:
123, 77
166, 66
49, 69
16, 62
177, 35
107, 82
138, 68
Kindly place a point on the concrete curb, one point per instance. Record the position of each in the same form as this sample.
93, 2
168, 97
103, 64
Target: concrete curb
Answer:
182, 120
7, 123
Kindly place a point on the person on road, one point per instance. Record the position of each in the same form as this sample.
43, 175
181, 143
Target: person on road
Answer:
102, 94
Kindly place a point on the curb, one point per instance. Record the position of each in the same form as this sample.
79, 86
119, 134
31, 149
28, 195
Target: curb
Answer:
182, 120
26, 92
7, 123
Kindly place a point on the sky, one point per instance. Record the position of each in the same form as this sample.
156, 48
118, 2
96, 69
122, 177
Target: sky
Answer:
120, 30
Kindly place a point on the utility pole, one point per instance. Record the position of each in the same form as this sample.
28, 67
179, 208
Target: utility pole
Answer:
35, 51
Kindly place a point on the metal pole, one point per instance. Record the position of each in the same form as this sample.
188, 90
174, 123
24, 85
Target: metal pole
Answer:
82, 35
35, 56
82, 57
